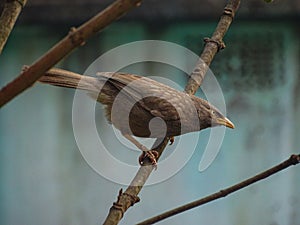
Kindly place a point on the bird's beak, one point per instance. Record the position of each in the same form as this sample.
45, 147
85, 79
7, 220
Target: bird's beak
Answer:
226, 122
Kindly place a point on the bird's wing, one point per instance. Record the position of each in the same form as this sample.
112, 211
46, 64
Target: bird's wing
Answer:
159, 99
122, 82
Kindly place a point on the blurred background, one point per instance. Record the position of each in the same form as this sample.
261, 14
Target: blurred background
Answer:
44, 178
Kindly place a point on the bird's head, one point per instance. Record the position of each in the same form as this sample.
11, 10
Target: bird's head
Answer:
210, 116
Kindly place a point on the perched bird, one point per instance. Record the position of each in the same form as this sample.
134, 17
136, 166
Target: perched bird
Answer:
142, 107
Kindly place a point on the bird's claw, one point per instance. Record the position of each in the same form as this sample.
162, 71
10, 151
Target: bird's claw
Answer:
152, 155
172, 139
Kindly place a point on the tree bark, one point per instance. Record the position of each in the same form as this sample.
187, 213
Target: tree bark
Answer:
9, 16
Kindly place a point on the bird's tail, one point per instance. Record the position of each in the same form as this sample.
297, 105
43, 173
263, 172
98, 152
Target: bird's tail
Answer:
63, 78
96, 88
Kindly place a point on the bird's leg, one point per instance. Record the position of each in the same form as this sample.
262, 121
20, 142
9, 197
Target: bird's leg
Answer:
150, 154
172, 139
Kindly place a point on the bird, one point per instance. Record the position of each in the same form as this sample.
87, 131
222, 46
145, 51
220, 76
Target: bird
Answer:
142, 107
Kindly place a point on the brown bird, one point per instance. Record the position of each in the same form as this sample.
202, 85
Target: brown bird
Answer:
142, 107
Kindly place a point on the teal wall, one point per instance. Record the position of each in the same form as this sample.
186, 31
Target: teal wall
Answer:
45, 180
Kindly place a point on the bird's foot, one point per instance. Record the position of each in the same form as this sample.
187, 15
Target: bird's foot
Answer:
172, 139
152, 155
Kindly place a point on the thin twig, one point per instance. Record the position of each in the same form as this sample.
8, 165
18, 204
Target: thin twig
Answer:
130, 196
9, 16
293, 160
75, 38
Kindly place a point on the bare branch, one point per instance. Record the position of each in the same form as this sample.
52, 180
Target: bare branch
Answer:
10, 13
293, 160
213, 45
75, 38
129, 197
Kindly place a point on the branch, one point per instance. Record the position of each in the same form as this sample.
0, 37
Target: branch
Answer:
213, 45
130, 196
75, 38
293, 160
10, 13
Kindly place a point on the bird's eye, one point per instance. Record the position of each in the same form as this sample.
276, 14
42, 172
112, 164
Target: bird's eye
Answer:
216, 113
